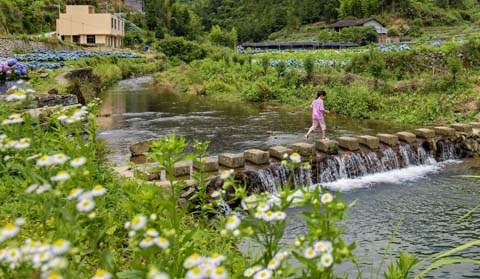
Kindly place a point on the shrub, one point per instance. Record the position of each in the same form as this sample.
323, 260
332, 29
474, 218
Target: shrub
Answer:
185, 50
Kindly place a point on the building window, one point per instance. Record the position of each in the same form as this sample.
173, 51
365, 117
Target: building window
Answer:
76, 39
90, 39
112, 23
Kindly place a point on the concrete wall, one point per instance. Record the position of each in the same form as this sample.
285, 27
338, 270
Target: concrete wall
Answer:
8, 45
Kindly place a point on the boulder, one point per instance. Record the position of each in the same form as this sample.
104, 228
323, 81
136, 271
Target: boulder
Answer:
444, 131
257, 156
388, 139
279, 151
182, 168
303, 148
139, 148
327, 146
348, 143
211, 164
369, 141
463, 128
231, 160
406, 137
424, 133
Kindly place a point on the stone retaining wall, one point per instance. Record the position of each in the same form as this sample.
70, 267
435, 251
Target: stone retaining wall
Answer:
8, 45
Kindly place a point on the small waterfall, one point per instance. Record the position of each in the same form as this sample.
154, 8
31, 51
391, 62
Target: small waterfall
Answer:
446, 151
409, 157
390, 160
268, 180
224, 207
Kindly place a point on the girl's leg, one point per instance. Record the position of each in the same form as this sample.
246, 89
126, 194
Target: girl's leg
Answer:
314, 125
323, 127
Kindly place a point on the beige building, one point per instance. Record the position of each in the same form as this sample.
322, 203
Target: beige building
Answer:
80, 24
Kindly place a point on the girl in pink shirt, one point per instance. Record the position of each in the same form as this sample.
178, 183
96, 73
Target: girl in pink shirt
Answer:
317, 114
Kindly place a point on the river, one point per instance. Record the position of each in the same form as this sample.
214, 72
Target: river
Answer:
427, 201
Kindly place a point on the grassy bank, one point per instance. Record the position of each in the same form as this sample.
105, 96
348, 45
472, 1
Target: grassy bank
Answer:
422, 85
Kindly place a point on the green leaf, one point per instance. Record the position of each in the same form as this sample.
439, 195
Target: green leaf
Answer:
442, 262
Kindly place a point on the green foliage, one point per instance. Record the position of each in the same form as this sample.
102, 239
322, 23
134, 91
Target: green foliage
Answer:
454, 67
222, 38
182, 49
376, 67
402, 267
265, 64
309, 66
107, 74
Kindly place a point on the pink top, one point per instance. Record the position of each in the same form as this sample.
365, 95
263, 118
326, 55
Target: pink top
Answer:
317, 108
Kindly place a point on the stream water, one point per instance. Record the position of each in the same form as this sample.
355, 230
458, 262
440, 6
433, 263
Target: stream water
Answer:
429, 198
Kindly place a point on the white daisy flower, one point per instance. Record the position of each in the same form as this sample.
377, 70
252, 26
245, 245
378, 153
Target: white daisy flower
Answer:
57, 263
280, 215
43, 188
41, 257
22, 143
74, 193
219, 273
249, 272
232, 222
31, 188
17, 96
326, 198
153, 217
326, 260
12, 255
207, 270
71, 120
217, 258
132, 233
102, 274
192, 261
20, 221
45, 161
60, 246
295, 157
53, 275
273, 264
98, 190
226, 174
61, 176
269, 216
146, 242
263, 206
263, 274
59, 159
62, 117
10, 230
323, 246
161, 242
127, 225
151, 232
78, 162
310, 253
215, 194
249, 201
259, 214
85, 205
195, 273
138, 222
42, 247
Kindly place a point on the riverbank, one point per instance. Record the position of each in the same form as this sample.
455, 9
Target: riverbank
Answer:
370, 84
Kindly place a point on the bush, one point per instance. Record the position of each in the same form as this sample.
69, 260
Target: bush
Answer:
185, 50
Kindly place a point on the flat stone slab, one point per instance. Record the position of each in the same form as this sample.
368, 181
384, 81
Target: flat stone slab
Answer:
140, 147
303, 148
406, 137
231, 160
463, 128
182, 168
388, 139
257, 156
211, 164
369, 141
444, 131
424, 133
349, 143
327, 146
475, 125
279, 151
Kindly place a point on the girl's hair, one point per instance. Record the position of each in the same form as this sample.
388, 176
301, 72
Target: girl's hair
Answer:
321, 93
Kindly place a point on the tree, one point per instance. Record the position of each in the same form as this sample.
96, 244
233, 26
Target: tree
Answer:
376, 67
454, 67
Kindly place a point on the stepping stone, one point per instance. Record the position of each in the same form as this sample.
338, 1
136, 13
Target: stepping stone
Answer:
369, 141
444, 131
463, 128
211, 164
349, 143
139, 148
303, 148
182, 168
279, 151
327, 146
257, 156
388, 139
424, 133
406, 137
475, 125
231, 160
